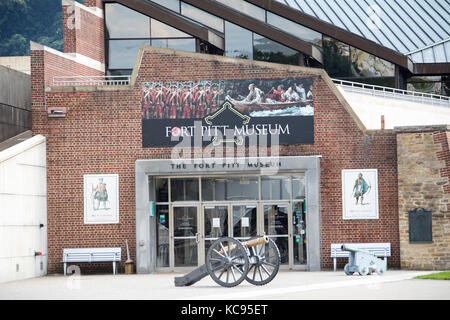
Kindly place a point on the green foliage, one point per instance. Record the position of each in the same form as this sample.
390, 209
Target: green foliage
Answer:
25, 20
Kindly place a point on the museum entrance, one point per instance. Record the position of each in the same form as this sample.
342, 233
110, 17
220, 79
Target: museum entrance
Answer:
192, 212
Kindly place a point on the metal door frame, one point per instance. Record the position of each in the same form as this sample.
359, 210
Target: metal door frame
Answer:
172, 240
282, 203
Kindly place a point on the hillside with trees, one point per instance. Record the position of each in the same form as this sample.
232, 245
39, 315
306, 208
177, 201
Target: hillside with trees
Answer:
25, 20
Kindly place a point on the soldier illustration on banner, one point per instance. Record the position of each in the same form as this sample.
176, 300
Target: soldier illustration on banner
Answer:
198, 99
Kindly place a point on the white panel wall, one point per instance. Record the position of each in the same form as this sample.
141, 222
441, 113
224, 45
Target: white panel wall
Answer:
396, 112
23, 207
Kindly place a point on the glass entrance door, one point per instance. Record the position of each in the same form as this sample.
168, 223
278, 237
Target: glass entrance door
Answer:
276, 226
244, 221
186, 236
299, 234
215, 223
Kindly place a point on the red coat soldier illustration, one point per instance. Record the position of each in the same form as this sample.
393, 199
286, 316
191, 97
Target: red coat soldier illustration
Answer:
213, 99
200, 100
187, 98
172, 102
158, 101
146, 101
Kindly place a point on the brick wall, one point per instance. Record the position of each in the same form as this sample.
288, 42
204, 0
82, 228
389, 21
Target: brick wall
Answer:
83, 32
102, 134
93, 3
423, 175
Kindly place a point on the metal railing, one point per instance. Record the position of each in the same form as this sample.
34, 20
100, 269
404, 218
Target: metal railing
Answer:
393, 93
91, 80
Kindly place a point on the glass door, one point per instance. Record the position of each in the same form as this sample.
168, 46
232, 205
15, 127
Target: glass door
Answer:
185, 236
299, 234
244, 221
215, 224
276, 226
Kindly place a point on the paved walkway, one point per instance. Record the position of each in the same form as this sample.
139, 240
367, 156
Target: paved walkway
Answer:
393, 285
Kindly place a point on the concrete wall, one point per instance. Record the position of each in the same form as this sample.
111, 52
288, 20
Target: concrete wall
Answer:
23, 207
15, 102
396, 112
21, 64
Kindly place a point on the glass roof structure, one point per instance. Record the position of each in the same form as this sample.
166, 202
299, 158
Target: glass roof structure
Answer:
405, 26
438, 52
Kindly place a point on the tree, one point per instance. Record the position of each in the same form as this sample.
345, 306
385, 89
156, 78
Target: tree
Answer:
25, 20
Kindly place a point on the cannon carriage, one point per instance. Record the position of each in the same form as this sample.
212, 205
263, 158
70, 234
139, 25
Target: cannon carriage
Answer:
363, 262
229, 262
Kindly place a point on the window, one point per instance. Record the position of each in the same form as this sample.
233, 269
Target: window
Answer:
431, 84
275, 188
365, 65
336, 56
267, 50
173, 5
161, 30
202, 17
344, 61
161, 190
246, 8
176, 44
294, 29
122, 22
184, 189
127, 30
122, 53
229, 188
238, 42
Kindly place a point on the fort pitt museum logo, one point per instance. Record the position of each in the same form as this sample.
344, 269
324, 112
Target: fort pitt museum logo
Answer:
237, 112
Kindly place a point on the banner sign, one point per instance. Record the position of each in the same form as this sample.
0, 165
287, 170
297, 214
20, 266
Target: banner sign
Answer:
233, 111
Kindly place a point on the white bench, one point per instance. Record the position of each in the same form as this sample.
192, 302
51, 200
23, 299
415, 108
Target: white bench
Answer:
378, 249
91, 255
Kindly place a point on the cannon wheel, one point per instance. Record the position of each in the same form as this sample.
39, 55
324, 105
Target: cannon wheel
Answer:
347, 270
227, 262
265, 263
363, 271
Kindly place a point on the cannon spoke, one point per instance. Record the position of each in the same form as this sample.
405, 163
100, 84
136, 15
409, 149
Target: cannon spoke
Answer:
223, 249
240, 271
265, 269
269, 264
218, 253
232, 272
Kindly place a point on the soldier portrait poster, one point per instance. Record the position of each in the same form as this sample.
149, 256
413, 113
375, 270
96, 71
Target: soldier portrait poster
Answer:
245, 108
360, 194
101, 198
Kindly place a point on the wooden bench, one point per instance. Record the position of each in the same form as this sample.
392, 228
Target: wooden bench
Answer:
91, 255
378, 249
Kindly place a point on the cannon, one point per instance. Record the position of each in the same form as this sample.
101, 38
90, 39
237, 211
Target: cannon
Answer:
363, 262
230, 261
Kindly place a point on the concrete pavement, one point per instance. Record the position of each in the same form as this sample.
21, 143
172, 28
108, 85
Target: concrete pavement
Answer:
288, 285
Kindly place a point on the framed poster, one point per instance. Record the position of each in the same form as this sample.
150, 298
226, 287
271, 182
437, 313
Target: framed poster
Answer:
360, 194
101, 198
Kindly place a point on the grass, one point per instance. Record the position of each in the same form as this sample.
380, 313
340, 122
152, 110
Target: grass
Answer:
436, 276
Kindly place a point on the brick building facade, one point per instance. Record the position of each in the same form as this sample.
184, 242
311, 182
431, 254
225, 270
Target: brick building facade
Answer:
100, 132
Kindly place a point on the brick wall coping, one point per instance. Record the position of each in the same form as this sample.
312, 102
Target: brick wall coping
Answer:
94, 10
76, 57
412, 129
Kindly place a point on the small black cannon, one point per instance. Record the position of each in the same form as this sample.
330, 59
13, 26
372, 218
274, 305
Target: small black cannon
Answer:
229, 262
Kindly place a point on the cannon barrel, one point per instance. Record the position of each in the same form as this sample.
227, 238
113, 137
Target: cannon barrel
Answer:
249, 243
347, 248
